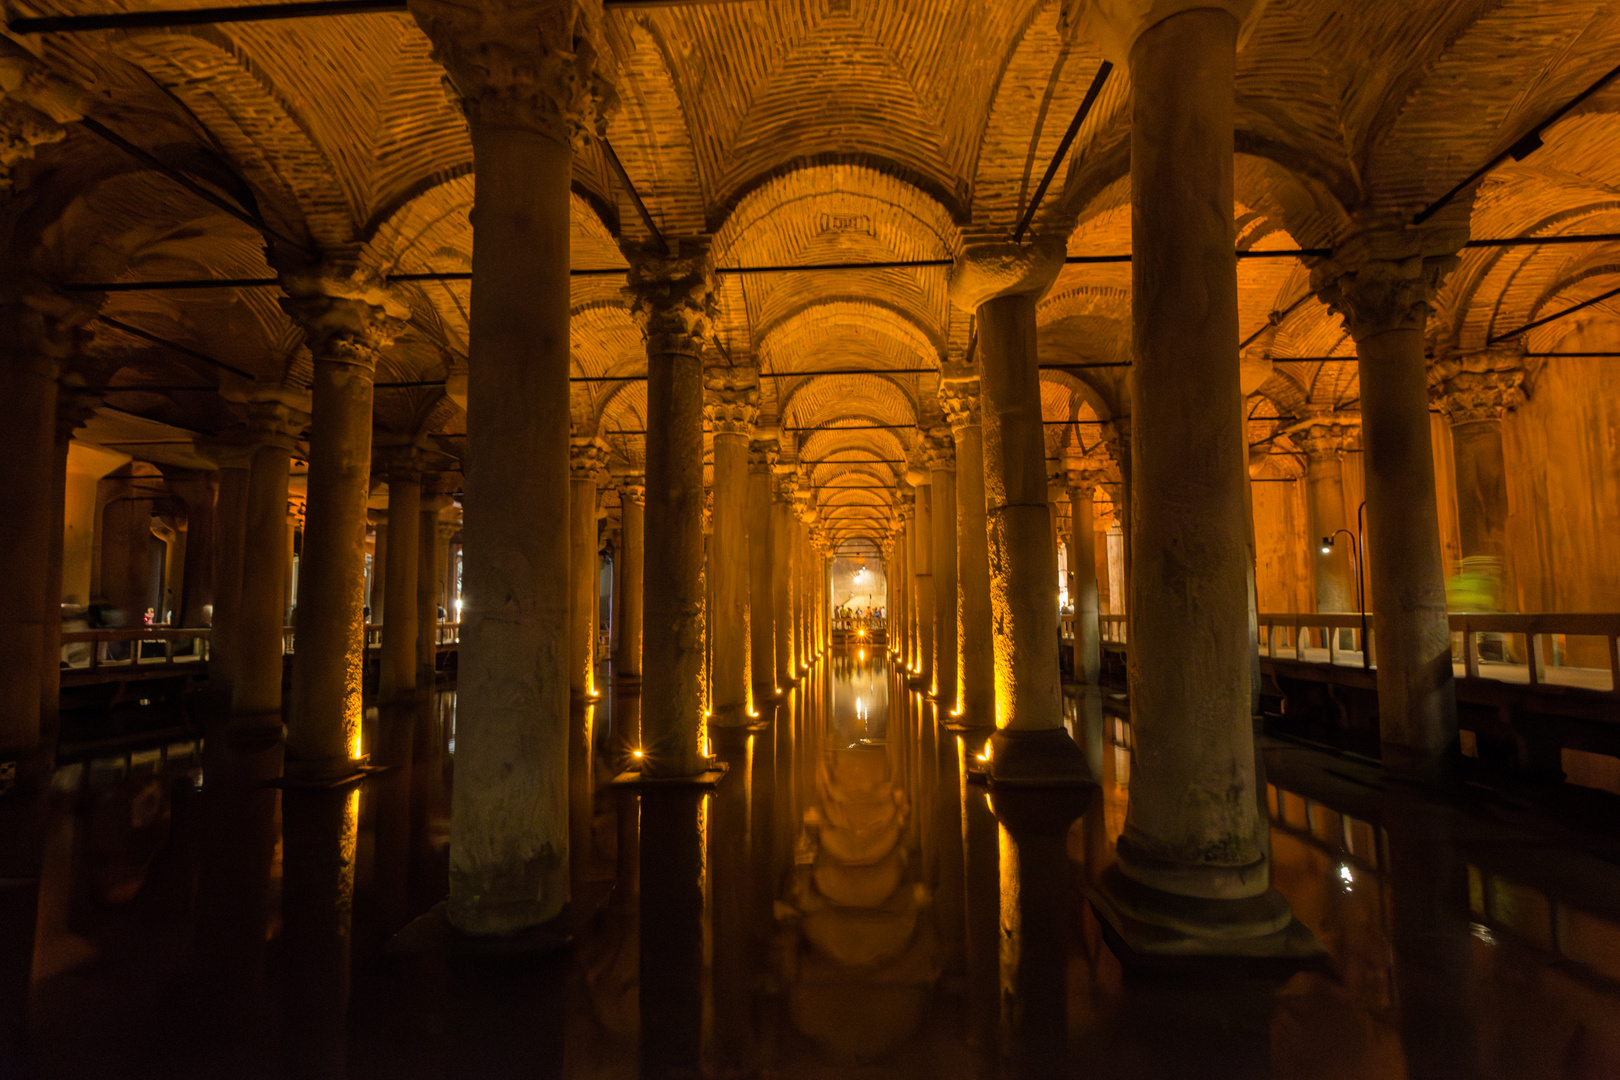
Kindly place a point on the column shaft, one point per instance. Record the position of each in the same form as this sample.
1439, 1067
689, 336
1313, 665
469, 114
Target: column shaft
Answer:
730, 562
944, 559
427, 590
29, 389
261, 611
782, 535
978, 670
632, 559
922, 548
583, 575
1482, 505
761, 618
397, 677
1083, 587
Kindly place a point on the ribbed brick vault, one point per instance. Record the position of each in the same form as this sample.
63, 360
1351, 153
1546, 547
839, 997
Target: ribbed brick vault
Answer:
801, 132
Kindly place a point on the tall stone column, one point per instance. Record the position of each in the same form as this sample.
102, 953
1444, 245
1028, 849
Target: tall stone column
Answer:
674, 298
234, 463
1083, 485
943, 555
587, 458
1381, 283
199, 491
509, 824
1324, 446
1000, 282
29, 388
782, 529
959, 396
905, 509
347, 318
1476, 391
430, 563
1193, 872
731, 405
397, 676
261, 597
922, 577
632, 562
761, 594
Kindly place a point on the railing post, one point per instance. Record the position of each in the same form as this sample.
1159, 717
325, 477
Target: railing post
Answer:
1470, 650
1538, 672
1614, 663
1299, 640
1332, 635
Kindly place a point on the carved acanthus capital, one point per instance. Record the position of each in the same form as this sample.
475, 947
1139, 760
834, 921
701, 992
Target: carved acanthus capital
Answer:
1325, 438
959, 399
673, 295
763, 455
731, 399
1117, 24
1383, 280
399, 463
632, 487
347, 312
986, 271
940, 449
587, 457
44, 330
35, 103
1478, 386
1115, 438
528, 65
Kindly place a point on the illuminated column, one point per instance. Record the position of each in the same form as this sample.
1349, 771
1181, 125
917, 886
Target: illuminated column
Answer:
1083, 485
509, 824
198, 490
430, 553
922, 576
943, 557
731, 406
761, 596
1476, 391
1324, 446
1382, 283
959, 396
905, 512
1000, 283
782, 526
632, 560
674, 297
261, 598
398, 661
1193, 873
587, 458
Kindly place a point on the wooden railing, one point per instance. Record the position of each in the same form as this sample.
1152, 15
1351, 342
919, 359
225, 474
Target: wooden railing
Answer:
146, 647
1284, 633
856, 624
1112, 627
448, 636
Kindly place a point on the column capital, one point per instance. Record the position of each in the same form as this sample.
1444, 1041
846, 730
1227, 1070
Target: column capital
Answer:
1386, 279
985, 271
526, 65
672, 294
731, 399
959, 397
344, 306
587, 457
1324, 438
403, 463
44, 330
763, 454
940, 449
632, 486
1117, 24
1478, 386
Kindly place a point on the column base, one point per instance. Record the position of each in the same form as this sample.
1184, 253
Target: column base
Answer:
919, 682
635, 779
1147, 925
1036, 757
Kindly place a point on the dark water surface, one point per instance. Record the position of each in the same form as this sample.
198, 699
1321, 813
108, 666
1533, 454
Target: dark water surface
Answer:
845, 903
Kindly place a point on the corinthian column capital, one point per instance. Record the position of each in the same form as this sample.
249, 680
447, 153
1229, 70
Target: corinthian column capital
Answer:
529, 65
587, 457
986, 271
672, 294
1117, 24
731, 399
347, 312
1477, 386
940, 449
1383, 280
1324, 439
959, 399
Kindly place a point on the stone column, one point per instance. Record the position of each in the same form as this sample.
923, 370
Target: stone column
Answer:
1324, 446
261, 597
674, 298
632, 556
922, 577
761, 598
28, 387
782, 526
943, 557
397, 676
234, 464
1193, 872
509, 826
429, 551
345, 313
1083, 485
587, 457
731, 405
199, 491
959, 396
1381, 283
905, 509
1000, 282
1475, 392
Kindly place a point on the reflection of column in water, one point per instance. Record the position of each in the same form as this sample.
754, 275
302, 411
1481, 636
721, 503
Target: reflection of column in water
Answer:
1431, 935
734, 958
981, 856
390, 884
672, 890
1036, 914
627, 722
947, 768
317, 899
430, 803
581, 792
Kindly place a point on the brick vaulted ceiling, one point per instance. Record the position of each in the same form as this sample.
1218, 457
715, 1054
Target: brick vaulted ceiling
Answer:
812, 131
